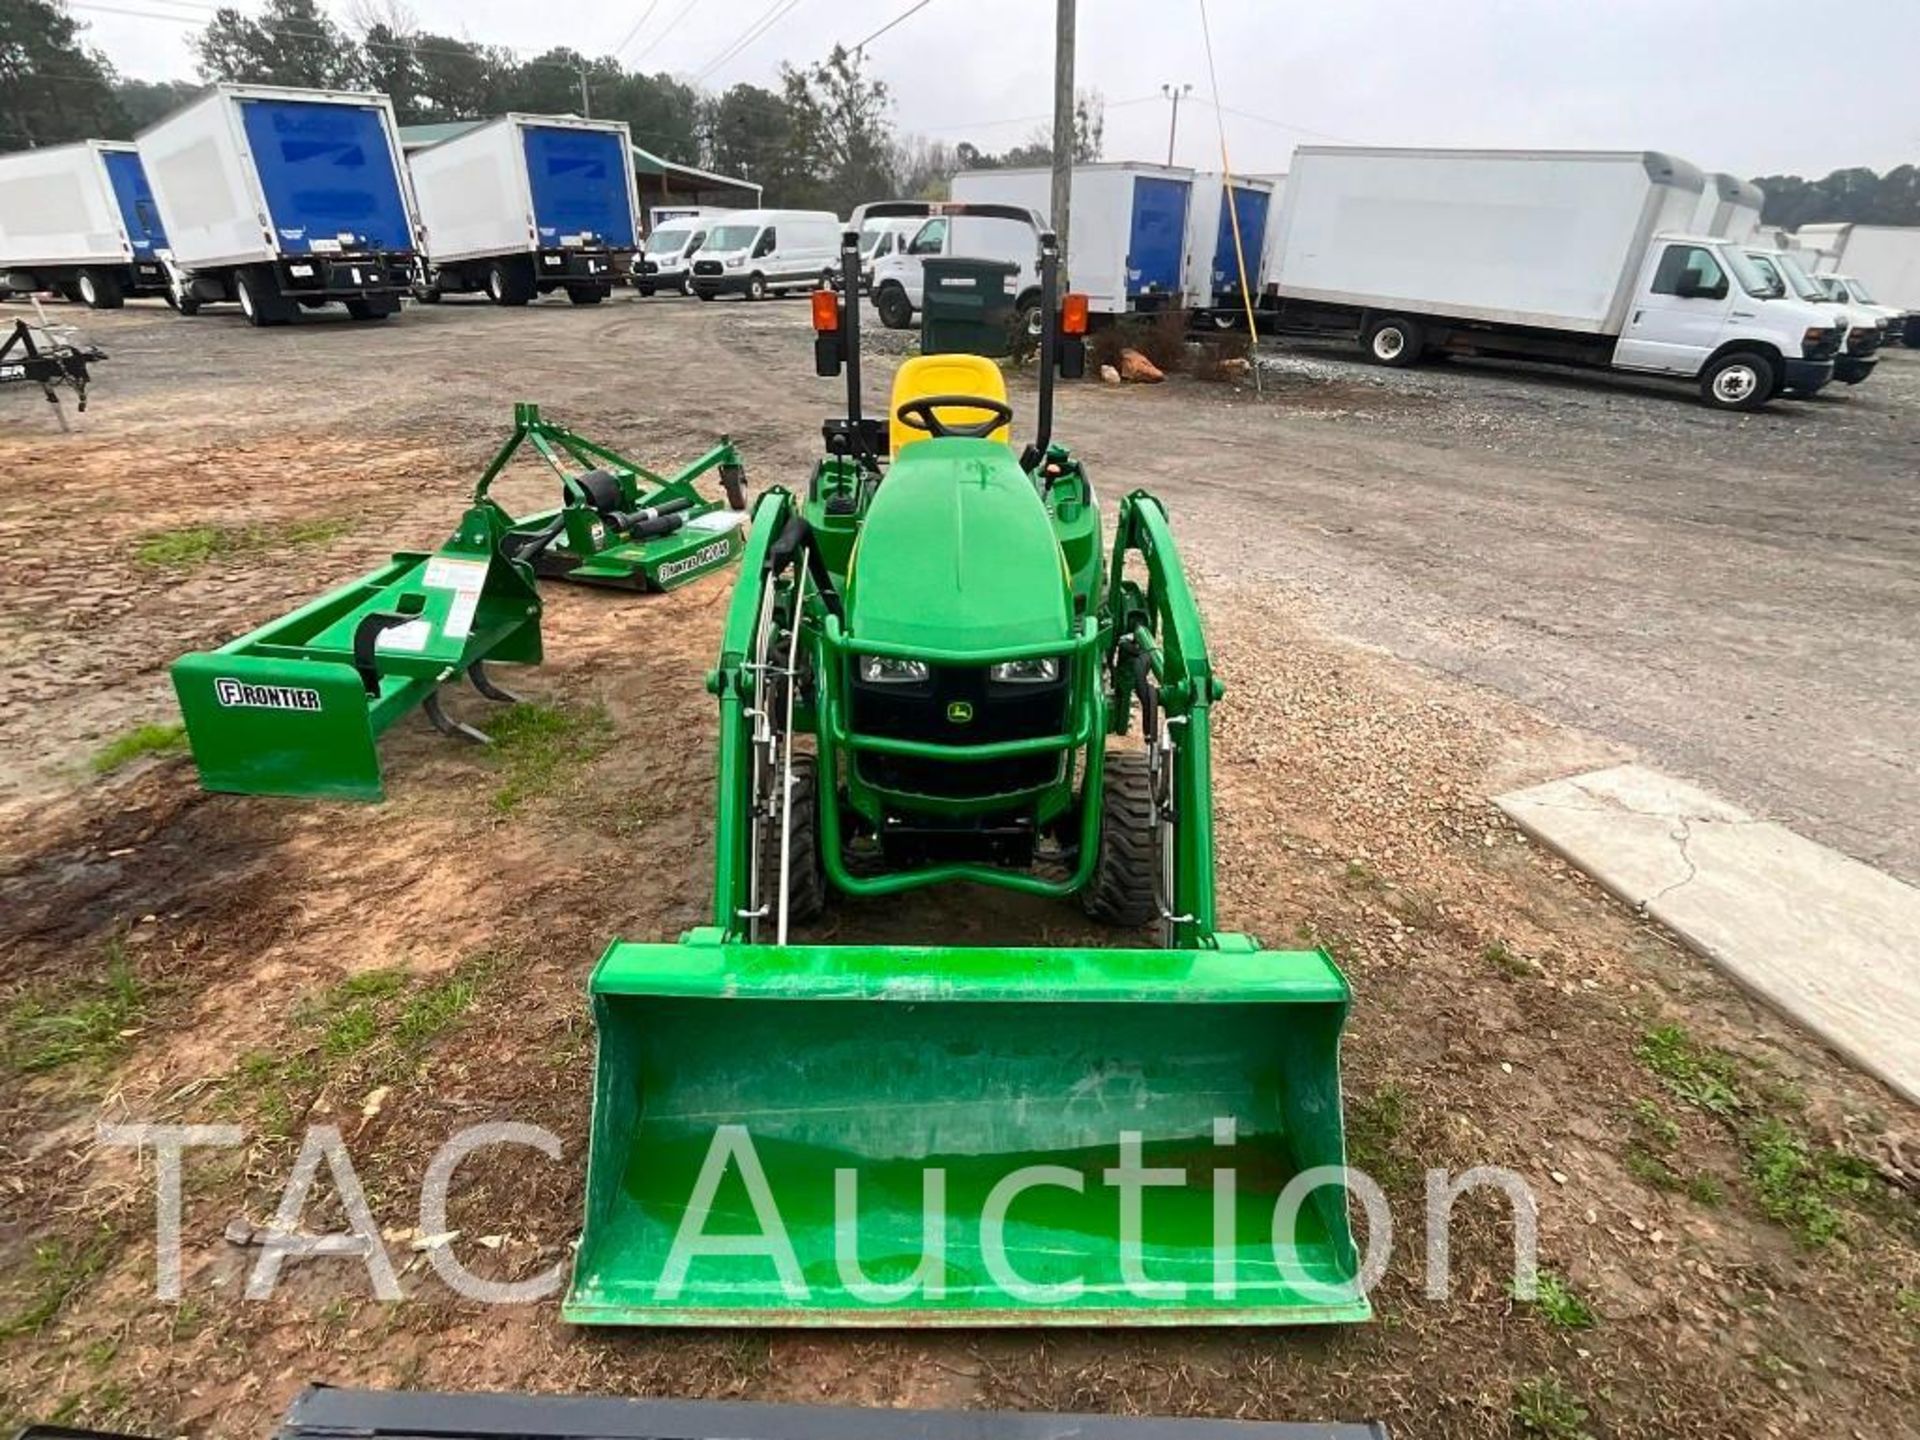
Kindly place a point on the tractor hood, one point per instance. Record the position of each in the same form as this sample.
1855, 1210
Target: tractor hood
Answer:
957, 553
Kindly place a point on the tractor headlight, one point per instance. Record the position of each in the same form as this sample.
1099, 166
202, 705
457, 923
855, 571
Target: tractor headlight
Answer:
1043, 671
885, 670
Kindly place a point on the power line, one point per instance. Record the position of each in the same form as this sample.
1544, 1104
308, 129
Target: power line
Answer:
666, 30
906, 14
1277, 124
782, 9
645, 15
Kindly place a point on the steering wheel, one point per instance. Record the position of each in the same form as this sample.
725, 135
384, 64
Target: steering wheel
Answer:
921, 414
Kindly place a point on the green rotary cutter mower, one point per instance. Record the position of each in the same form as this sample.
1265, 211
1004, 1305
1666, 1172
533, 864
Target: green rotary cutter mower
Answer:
619, 523
931, 675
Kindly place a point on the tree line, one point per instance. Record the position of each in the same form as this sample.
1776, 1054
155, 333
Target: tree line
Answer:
1855, 194
823, 137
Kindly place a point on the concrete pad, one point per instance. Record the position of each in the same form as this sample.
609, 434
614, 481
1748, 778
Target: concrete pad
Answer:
1831, 943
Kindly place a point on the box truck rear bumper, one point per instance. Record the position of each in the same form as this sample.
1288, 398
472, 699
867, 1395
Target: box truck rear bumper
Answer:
559, 267
343, 277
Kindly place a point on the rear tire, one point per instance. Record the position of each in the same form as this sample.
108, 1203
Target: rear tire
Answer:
586, 295
508, 283
1394, 341
372, 307
1744, 380
100, 290
260, 300
1127, 870
806, 880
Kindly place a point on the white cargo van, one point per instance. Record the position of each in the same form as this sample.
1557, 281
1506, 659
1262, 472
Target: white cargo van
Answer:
898, 283
667, 261
757, 253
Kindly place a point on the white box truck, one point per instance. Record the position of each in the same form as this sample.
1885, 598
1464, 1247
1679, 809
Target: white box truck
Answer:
1881, 260
282, 199
80, 220
1213, 260
1728, 206
1572, 257
528, 205
1127, 237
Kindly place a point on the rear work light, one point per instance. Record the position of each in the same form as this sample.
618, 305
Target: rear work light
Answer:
1073, 315
826, 311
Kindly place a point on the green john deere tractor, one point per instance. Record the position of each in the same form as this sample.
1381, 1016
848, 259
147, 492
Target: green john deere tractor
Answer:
931, 674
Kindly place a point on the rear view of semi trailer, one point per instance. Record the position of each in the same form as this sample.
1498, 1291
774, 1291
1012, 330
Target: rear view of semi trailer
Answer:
80, 220
281, 200
1127, 238
1585, 258
1214, 259
528, 205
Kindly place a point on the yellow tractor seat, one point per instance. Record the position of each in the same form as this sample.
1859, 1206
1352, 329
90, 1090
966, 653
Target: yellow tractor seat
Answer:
924, 375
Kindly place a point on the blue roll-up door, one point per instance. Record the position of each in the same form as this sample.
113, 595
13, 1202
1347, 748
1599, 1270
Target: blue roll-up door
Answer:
135, 197
1251, 205
328, 173
1159, 233
579, 182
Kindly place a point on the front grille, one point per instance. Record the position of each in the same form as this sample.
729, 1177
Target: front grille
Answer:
1863, 340
923, 712
708, 267
1825, 348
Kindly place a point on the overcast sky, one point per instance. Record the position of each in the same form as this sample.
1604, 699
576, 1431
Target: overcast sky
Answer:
1748, 86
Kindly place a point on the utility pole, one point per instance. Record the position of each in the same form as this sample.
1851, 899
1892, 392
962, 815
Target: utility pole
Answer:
1174, 93
586, 100
1062, 122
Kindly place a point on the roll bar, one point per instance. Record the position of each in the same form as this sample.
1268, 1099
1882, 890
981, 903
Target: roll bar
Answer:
840, 348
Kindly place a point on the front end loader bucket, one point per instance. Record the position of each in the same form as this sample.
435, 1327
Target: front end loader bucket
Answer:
783, 1135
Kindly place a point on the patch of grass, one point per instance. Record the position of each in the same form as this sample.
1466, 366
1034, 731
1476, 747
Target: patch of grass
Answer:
144, 740
436, 1006
1797, 1182
1544, 1407
1649, 1169
1907, 1303
88, 1025
188, 547
1555, 1299
1503, 958
1697, 1075
538, 745
1656, 1123
60, 1270
1374, 1127
1705, 1189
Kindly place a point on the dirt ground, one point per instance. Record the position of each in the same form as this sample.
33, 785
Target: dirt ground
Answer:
1728, 1214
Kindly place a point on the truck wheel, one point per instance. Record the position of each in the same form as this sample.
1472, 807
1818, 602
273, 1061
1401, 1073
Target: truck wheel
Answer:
896, 311
372, 307
586, 294
68, 291
756, 286
1126, 872
260, 301
1394, 341
707, 294
186, 304
1744, 380
643, 289
100, 290
686, 285
806, 880
508, 284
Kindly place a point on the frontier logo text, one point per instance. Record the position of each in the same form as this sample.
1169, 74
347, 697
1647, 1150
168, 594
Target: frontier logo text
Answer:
706, 555
237, 693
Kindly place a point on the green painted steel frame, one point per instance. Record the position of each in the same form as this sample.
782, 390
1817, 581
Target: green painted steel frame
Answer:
642, 487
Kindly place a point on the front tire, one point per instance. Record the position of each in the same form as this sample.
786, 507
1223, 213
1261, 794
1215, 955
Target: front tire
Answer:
1744, 380
100, 290
756, 286
1126, 873
895, 310
1394, 341
806, 879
